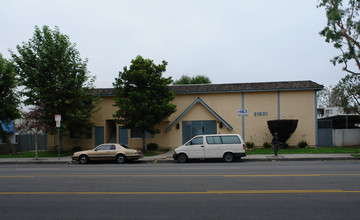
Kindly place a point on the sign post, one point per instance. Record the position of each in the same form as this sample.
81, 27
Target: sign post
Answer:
58, 120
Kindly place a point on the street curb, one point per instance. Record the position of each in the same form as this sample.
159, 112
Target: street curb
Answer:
300, 159
168, 160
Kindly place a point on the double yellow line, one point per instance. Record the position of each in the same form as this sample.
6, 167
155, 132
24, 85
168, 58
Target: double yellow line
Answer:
182, 193
150, 175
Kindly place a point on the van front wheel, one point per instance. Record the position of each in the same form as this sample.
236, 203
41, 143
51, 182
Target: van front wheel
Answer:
228, 157
182, 158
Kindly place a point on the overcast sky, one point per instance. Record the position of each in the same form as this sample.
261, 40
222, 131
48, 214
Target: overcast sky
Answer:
230, 41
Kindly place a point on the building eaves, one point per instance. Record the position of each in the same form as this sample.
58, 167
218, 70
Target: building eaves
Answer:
246, 87
232, 87
104, 92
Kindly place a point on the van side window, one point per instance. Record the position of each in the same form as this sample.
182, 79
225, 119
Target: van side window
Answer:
230, 140
197, 141
213, 140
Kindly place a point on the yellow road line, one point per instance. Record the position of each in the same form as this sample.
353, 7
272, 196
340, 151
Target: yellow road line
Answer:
16, 176
173, 193
134, 175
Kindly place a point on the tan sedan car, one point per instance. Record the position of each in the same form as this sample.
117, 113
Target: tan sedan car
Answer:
116, 152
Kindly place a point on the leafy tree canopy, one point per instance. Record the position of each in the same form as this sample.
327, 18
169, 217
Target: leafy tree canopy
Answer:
347, 93
55, 79
342, 30
9, 98
198, 79
326, 97
142, 96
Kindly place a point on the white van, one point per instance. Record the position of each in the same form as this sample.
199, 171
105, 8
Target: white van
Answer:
226, 146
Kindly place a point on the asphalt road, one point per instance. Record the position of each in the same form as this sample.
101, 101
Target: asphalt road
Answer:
199, 190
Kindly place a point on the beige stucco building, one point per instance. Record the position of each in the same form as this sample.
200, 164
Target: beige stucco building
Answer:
241, 108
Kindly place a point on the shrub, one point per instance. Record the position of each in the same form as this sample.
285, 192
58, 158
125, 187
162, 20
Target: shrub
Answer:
285, 146
249, 145
53, 149
152, 146
267, 145
303, 144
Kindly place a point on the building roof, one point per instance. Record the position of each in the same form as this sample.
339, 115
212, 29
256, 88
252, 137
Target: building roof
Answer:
232, 87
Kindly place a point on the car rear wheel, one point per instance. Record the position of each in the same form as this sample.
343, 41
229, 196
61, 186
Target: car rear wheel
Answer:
182, 158
83, 159
228, 157
121, 158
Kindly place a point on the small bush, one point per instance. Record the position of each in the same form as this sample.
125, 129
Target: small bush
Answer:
249, 145
152, 146
267, 145
53, 149
303, 144
285, 146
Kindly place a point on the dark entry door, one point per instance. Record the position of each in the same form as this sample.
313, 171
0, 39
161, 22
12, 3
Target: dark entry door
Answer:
123, 135
193, 128
325, 133
99, 135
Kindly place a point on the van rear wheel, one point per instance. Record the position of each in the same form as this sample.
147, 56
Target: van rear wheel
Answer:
228, 157
182, 158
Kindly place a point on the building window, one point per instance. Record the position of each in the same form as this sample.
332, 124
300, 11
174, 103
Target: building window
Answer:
86, 134
328, 112
136, 133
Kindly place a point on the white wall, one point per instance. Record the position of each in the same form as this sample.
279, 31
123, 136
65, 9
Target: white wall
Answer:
346, 137
12, 138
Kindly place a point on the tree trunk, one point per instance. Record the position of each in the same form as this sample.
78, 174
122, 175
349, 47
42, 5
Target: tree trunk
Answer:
36, 146
7, 140
144, 141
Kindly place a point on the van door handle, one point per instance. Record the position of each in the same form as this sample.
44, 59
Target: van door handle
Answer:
202, 146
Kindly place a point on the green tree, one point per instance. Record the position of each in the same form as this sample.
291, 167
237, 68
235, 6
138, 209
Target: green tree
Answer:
56, 80
326, 97
142, 96
347, 93
342, 30
198, 79
9, 98
31, 123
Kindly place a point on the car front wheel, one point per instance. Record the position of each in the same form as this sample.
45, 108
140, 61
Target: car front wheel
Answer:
83, 159
121, 158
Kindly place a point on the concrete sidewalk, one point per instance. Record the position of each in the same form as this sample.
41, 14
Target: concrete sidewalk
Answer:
167, 158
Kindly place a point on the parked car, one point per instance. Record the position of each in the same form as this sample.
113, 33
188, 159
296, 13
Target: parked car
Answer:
225, 146
120, 153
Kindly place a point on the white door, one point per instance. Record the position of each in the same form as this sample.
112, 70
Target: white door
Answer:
214, 147
196, 148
